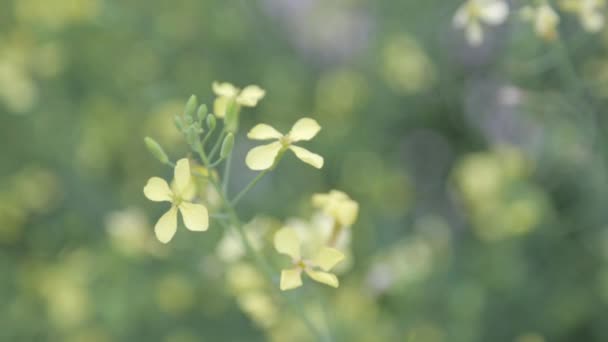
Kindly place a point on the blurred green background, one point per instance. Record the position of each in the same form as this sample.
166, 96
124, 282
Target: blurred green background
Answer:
480, 172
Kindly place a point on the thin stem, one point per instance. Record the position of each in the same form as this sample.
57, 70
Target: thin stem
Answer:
217, 145
216, 163
571, 73
264, 265
207, 136
226, 179
257, 257
249, 186
257, 178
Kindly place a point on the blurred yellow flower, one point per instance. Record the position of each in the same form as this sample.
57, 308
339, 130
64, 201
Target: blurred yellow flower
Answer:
286, 242
226, 92
544, 18
473, 13
590, 13
195, 216
263, 157
337, 205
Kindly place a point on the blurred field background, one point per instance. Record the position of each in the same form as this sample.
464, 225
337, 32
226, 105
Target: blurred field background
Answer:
480, 172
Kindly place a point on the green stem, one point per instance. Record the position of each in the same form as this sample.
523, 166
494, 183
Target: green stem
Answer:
259, 259
216, 163
217, 145
226, 177
257, 178
264, 265
249, 186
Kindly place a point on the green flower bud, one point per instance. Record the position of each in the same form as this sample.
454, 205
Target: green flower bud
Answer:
179, 123
191, 107
188, 121
156, 150
232, 117
227, 145
211, 122
192, 136
202, 112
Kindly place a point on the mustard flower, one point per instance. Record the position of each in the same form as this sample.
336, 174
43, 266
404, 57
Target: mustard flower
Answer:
226, 92
286, 242
473, 13
337, 205
263, 157
544, 19
195, 216
590, 13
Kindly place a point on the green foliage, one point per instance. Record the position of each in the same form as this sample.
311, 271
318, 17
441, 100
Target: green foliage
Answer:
480, 171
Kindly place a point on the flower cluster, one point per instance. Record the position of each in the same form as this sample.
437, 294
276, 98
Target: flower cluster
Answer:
199, 208
473, 16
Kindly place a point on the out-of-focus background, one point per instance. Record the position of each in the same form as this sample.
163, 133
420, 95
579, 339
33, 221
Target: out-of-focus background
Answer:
481, 172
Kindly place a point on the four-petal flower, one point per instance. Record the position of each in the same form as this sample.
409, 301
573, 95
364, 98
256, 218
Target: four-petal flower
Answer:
263, 157
473, 13
337, 205
286, 242
195, 216
226, 92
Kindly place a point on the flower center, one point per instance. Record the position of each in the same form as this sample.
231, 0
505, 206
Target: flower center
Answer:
302, 264
474, 10
177, 200
285, 140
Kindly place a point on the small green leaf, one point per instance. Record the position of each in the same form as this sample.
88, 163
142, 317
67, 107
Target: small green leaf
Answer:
156, 150
227, 145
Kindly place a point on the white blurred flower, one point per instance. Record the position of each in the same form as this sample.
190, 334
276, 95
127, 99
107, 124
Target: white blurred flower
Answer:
590, 13
544, 19
473, 13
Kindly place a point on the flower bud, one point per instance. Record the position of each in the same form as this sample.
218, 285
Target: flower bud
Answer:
211, 122
202, 112
179, 123
227, 145
156, 150
191, 107
192, 136
232, 117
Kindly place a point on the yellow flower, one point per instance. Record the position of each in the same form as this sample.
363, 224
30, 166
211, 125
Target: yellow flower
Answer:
590, 13
337, 205
226, 92
263, 157
286, 242
545, 20
473, 13
195, 216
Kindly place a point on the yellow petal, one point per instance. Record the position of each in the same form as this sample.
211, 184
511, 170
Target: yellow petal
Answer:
304, 129
286, 241
327, 258
494, 12
189, 192
328, 199
181, 175
263, 132
196, 216
220, 105
157, 190
324, 277
290, 279
166, 226
224, 89
347, 212
262, 157
307, 156
250, 96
